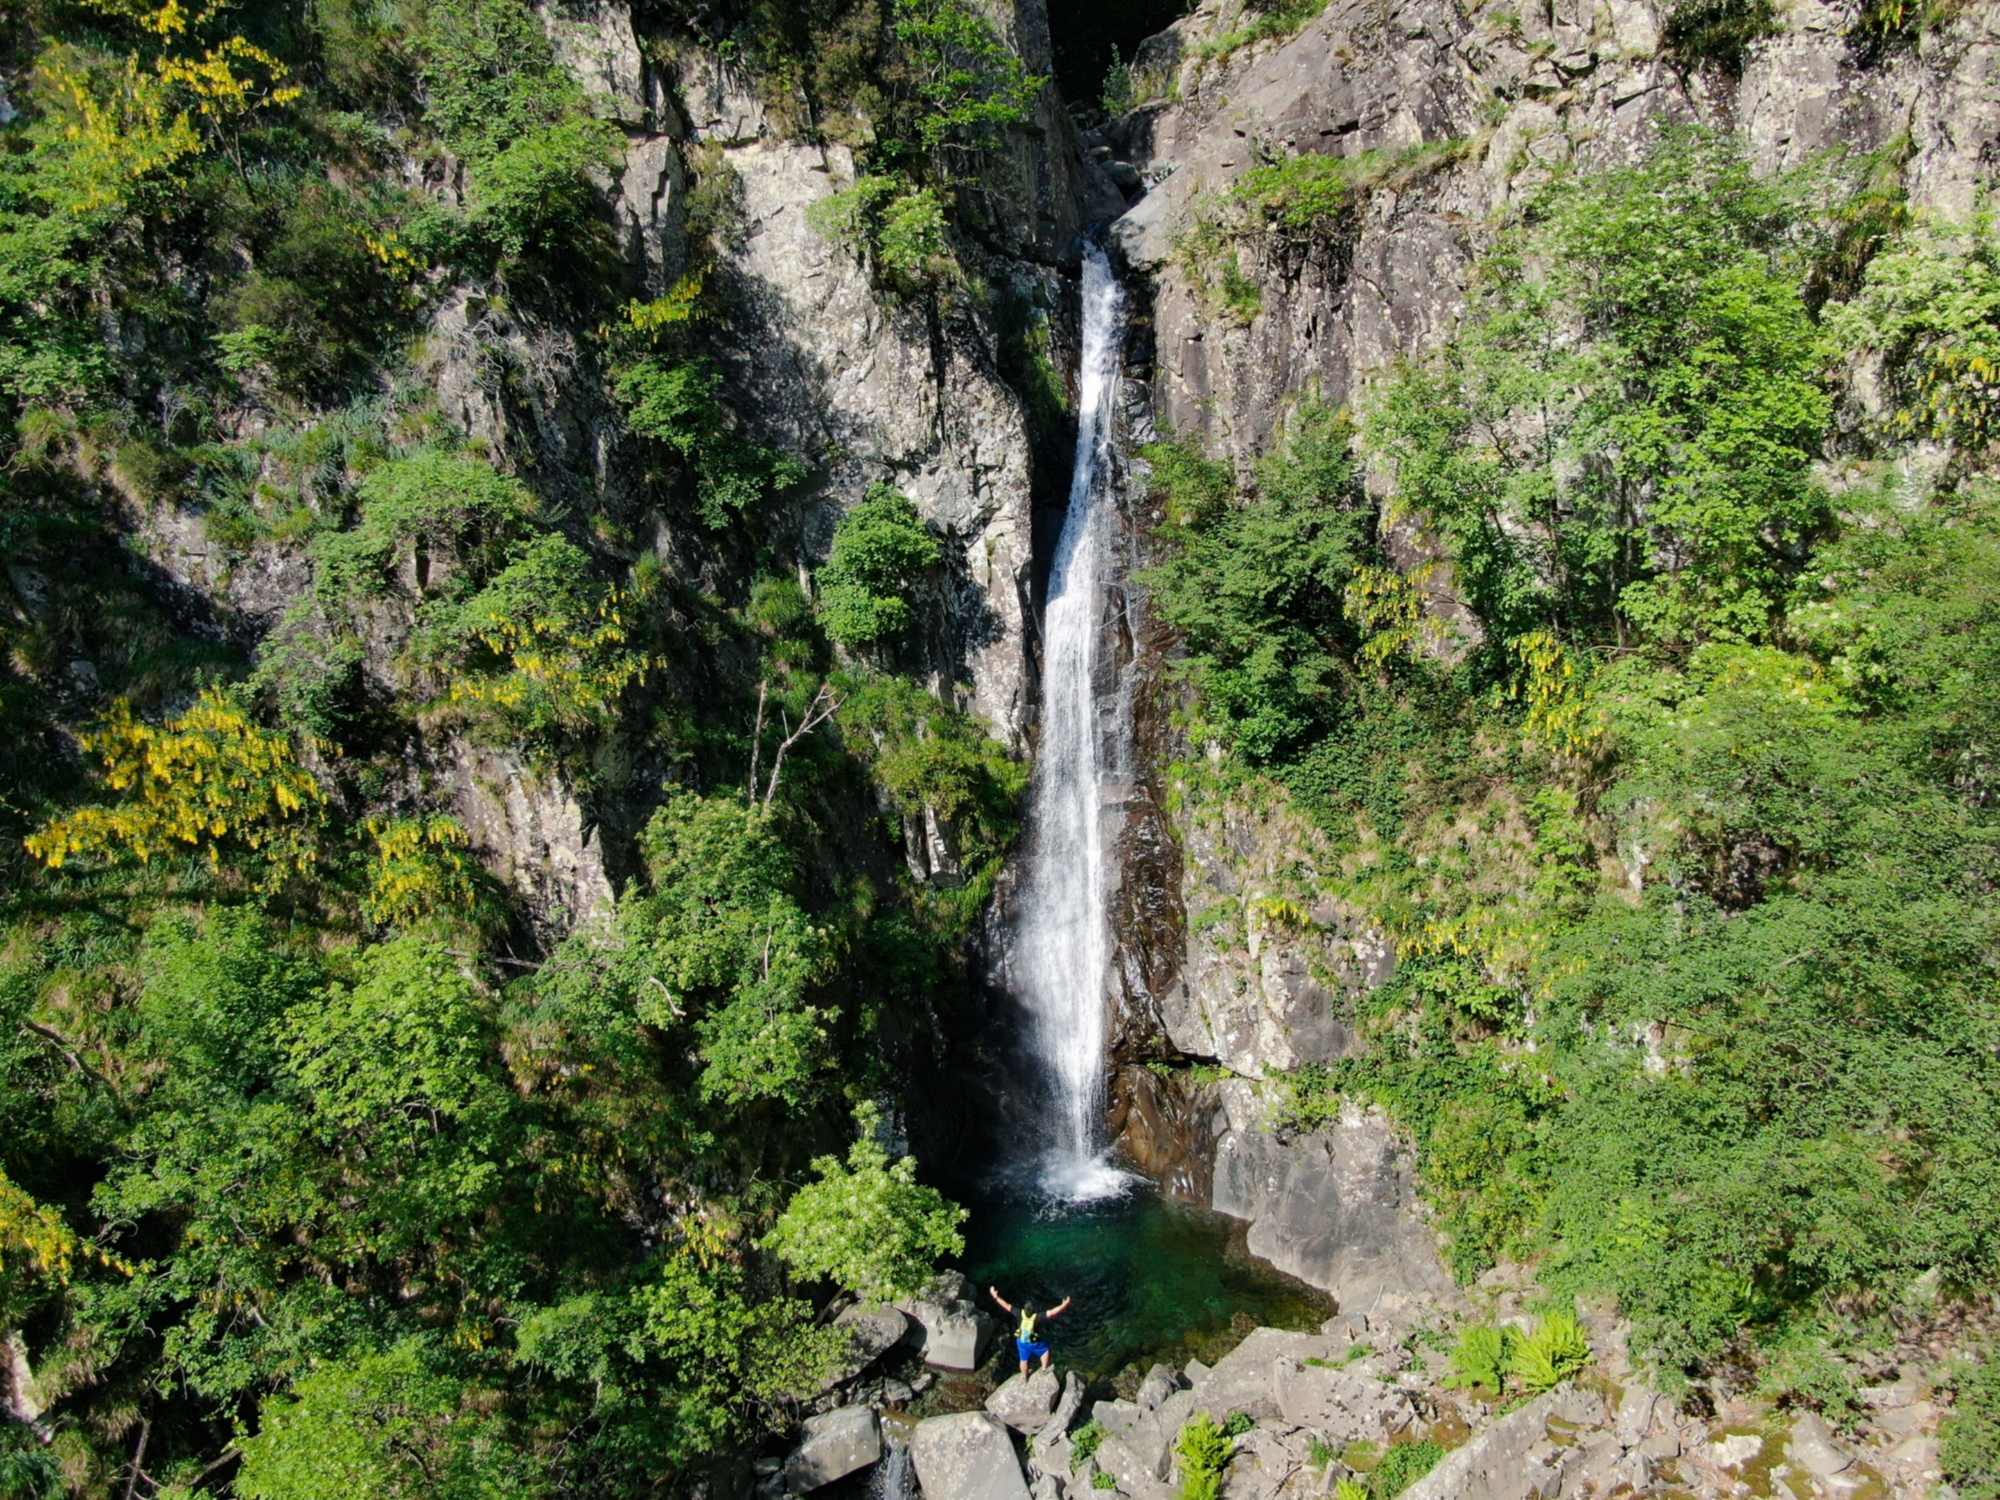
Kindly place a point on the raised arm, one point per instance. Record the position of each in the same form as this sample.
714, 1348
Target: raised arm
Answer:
994, 1293
1058, 1307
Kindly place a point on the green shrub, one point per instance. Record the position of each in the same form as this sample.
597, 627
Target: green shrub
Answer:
1402, 1466
1717, 31
535, 195
1698, 383
1971, 1450
489, 74
1556, 1350
1103, 1481
1929, 308
968, 84
1083, 1442
1258, 587
1262, 21
898, 227
1203, 1449
1483, 1357
936, 763
389, 1424
675, 402
881, 548
868, 1225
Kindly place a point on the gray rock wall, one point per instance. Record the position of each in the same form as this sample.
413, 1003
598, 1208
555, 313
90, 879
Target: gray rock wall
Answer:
1522, 89
1263, 973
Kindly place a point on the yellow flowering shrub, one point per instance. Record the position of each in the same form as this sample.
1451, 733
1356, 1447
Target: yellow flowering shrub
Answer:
1389, 605
556, 643
136, 116
1562, 711
34, 1238
423, 869
198, 782
679, 305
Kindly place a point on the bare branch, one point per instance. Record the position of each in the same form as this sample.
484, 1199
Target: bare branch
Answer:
757, 740
138, 1458
825, 703
679, 1014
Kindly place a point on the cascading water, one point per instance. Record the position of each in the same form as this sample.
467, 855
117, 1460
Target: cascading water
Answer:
1061, 945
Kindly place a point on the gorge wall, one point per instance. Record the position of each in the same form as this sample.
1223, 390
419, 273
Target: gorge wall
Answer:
1234, 959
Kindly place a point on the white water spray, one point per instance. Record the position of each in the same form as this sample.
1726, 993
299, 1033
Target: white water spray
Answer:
1061, 942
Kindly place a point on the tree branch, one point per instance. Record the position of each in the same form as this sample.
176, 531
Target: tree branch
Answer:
825, 703
757, 739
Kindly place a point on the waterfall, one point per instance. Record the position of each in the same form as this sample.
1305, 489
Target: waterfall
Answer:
1061, 944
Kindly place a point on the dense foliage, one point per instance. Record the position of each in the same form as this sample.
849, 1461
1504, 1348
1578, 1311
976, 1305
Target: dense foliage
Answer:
1683, 825
333, 1163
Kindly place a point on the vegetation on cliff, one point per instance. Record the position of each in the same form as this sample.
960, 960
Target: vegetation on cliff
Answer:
326, 1169
1681, 816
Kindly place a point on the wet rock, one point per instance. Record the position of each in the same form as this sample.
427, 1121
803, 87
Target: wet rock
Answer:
1812, 1447
967, 1456
835, 1445
1025, 1402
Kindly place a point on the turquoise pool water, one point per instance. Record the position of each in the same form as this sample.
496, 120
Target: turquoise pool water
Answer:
1152, 1280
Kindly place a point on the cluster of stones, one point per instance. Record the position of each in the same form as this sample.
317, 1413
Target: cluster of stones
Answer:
1315, 1408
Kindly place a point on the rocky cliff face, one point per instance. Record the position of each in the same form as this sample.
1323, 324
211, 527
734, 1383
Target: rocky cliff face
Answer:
1516, 92
816, 360
1241, 967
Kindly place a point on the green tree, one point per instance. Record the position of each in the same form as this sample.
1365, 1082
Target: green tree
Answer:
968, 83
719, 943
1618, 444
868, 1225
1258, 585
881, 549
389, 1424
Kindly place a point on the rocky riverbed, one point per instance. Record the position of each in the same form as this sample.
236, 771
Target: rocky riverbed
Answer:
1308, 1410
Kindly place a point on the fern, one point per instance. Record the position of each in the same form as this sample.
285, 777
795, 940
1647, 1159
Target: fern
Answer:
1482, 1358
1557, 1350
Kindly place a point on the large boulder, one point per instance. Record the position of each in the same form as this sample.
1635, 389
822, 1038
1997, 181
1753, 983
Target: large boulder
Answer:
953, 1332
967, 1456
1064, 1417
1335, 1207
835, 1445
1242, 1379
1025, 1402
871, 1333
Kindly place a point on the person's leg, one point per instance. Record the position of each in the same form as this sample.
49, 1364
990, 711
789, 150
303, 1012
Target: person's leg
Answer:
1024, 1368
1045, 1359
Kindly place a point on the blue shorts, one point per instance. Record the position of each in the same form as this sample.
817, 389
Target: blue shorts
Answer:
1031, 1348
